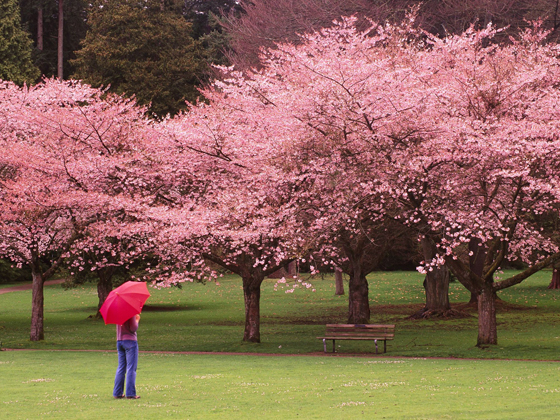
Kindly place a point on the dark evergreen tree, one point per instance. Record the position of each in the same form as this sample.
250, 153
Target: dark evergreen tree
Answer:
16, 47
205, 16
141, 48
202, 13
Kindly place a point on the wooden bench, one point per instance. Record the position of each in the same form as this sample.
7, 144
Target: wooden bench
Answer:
358, 332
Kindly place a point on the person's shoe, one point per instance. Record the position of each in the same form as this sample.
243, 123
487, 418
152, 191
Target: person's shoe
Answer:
133, 398
119, 397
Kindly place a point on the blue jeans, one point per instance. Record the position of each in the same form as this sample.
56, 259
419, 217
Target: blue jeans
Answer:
128, 361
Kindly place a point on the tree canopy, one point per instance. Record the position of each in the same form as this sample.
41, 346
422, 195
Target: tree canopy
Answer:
333, 142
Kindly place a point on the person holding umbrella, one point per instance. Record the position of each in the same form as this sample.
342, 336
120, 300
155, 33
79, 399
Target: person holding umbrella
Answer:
127, 348
122, 307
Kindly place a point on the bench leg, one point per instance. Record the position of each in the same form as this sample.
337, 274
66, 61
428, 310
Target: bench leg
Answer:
384, 346
333, 347
375, 346
325, 345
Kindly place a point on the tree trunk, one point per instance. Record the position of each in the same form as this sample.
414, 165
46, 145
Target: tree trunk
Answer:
358, 299
436, 285
555, 282
487, 325
60, 39
252, 294
339, 283
437, 291
37, 301
104, 286
477, 256
358, 291
278, 274
474, 298
292, 269
40, 29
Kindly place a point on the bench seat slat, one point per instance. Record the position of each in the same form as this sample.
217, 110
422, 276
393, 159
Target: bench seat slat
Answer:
365, 333
356, 338
359, 332
367, 336
359, 326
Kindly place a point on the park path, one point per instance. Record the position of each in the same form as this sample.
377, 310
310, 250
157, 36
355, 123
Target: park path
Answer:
27, 286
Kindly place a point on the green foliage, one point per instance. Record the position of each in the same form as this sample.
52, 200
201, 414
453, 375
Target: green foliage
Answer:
15, 46
139, 49
214, 44
78, 385
202, 13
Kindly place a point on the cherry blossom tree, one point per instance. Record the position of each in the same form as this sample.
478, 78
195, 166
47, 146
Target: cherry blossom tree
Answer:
57, 139
454, 137
39, 218
112, 251
231, 212
497, 159
342, 232
335, 119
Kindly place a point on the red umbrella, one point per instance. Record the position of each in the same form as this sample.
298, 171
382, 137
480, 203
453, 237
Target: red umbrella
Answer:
124, 302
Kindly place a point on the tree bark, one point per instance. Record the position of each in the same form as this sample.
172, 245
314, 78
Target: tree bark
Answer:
60, 39
252, 278
358, 290
487, 324
252, 294
278, 274
477, 256
555, 282
37, 301
40, 29
436, 286
358, 298
437, 291
292, 269
339, 283
104, 286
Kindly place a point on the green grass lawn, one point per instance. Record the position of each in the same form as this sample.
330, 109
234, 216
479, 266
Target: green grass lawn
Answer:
404, 384
210, 317
74, 385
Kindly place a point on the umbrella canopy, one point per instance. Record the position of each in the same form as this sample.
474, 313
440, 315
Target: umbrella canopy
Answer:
124, 302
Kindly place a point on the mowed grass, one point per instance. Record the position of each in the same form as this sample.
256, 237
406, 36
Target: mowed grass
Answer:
296, 380
210, 317
78, 385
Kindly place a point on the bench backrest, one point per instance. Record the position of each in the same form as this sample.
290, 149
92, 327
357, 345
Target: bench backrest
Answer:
361, 330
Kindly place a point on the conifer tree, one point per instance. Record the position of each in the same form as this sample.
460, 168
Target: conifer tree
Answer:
141, 49
15, 46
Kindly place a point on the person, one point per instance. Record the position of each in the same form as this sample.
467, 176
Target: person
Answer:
127, 348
